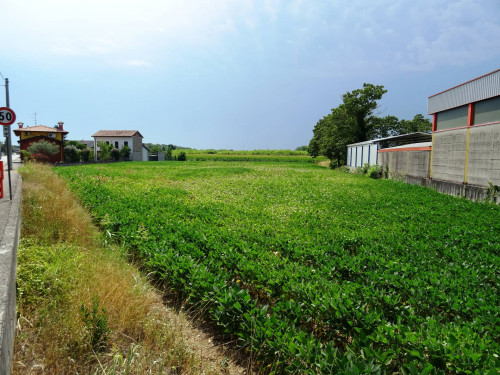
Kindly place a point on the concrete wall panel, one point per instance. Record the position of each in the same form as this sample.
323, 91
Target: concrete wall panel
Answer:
405, 163
484, 155
449, 155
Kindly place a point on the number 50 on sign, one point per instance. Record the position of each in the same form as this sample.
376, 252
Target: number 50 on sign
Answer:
7, 116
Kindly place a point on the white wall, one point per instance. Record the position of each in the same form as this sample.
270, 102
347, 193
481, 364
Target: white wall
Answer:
121, 142
359, 155
145, 154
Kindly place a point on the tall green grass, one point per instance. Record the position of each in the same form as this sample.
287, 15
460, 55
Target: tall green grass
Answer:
82, 308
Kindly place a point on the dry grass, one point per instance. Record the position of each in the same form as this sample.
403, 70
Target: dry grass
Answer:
63, 265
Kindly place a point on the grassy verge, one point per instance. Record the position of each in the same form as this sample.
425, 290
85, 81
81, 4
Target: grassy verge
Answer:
82, 309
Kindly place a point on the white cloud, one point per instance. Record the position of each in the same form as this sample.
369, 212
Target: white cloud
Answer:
138, 63
124, 28
328, 38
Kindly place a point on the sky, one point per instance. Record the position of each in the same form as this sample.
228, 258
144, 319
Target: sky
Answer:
233, 74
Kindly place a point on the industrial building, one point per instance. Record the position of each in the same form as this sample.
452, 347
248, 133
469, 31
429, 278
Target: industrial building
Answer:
466, 132
369, 152
463, 155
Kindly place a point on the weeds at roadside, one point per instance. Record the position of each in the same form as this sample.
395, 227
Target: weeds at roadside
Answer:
81, 307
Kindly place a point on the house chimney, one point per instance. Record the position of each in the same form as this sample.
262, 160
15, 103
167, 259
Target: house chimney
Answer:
60, 123
20, 124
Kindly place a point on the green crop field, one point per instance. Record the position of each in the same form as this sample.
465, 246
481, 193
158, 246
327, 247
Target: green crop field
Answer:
309, 270
255, 155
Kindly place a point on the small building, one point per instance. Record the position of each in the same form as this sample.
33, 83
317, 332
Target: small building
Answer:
359, 154
120, 138
466, 132
32, 134
145, 153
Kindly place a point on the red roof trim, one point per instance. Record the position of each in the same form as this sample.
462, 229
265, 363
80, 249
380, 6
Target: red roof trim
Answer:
406, 149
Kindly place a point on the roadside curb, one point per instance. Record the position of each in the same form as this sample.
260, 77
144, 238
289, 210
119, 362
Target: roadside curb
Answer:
9, 240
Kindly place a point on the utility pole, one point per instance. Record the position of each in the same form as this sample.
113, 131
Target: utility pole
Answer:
7, 138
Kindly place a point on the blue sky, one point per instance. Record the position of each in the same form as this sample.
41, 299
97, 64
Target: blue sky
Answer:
236, 74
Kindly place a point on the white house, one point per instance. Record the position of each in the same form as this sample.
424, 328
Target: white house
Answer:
120, 138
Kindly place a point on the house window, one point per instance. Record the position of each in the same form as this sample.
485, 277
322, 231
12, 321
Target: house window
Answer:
125, 143
116, 144
26, 133
107, 142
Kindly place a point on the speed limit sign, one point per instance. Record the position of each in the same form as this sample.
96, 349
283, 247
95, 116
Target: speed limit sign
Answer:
7, 116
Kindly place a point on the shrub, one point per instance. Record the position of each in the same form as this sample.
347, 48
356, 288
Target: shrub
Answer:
492, 192
41, 158
168, 153
375, 171
365, 168
182, 156
44, 148
125, 152
104, 152
25, 155
115, 154
85, 154
78, 145
71, 154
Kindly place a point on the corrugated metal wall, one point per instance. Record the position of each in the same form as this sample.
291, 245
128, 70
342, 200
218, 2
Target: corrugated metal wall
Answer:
481, 88
359, 155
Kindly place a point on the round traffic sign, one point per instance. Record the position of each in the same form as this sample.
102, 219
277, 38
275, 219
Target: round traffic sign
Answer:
7, 116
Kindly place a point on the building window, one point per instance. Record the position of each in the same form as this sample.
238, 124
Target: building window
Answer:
125, 143
116, 144
107, 142
487, 111
452, 118
26, 133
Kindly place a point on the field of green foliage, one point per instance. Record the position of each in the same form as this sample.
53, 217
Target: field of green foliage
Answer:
254, 155
313, 271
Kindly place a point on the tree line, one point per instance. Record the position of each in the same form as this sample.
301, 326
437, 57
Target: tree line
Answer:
355, 121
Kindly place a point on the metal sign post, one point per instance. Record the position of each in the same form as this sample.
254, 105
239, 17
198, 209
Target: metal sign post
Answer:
7, 117
1, 179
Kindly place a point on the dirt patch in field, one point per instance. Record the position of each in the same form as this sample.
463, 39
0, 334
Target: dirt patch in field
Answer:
201, 337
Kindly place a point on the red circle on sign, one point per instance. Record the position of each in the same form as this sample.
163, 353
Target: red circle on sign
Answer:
7, 116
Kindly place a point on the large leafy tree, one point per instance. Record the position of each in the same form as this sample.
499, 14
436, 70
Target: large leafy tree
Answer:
332, 134
350, 122
418, 124
360, 104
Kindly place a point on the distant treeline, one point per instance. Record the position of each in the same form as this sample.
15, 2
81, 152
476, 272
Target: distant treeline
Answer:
246, 152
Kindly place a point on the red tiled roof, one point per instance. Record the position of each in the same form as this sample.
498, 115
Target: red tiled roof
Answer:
40, 128
117, 133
